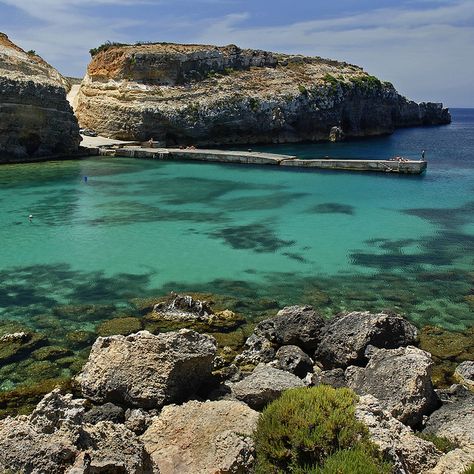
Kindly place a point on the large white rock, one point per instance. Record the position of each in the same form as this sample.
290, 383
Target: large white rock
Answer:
409, 453
148, 371
400, 379
210, 437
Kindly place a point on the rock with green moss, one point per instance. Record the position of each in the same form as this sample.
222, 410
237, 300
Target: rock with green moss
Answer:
50, 353
185, 311
80, 339
123, 326
17, 346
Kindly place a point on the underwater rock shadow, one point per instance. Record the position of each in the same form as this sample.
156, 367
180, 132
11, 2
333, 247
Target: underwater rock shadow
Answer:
331, 208
258, 237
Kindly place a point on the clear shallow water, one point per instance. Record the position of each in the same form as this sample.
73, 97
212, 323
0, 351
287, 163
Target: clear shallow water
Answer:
268, 237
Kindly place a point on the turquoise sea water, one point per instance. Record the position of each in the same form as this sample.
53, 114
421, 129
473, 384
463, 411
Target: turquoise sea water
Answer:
265, 236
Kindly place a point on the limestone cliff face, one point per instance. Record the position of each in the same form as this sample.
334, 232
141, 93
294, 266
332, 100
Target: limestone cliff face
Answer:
35, 118
208, 95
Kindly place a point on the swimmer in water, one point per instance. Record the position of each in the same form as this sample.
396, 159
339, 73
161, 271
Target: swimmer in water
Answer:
30, 217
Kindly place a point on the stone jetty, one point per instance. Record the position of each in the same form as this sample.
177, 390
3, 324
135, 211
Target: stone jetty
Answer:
260, 158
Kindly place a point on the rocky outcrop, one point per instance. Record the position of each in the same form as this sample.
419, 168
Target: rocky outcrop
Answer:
210, 437
400, 379
264, 385
35, 118
144, 370
455, 419
54, 438
208, 95
345, 338
409, 453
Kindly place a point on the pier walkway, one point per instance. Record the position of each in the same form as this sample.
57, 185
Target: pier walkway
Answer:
260, 158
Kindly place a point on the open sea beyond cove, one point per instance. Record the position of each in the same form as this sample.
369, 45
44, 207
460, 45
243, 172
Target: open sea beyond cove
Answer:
261, 236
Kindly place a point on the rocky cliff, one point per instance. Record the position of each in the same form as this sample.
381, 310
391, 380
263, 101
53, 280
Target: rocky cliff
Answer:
208, 95
35, 118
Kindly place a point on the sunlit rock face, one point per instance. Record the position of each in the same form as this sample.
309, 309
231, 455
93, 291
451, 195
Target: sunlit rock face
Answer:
35, 118
209, 95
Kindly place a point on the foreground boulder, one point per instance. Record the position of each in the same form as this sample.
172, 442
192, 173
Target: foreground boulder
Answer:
294, 360
455, 419
35, 118
409, 453
210, 95
400, 379
264, 385
147, 371
345, 338
211, 437
55, 439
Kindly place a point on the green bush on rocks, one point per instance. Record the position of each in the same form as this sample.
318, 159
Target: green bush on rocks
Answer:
305, 427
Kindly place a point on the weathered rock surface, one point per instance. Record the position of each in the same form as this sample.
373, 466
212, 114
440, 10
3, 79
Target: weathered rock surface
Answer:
455, 419
210, 437
264, 385
346, 337
106, 412
35, 118
55, 439
464, 373
294, 325
144, 370
456, 461
294, 360
257, 349
400, 379
210, 95
409, 453
335, 378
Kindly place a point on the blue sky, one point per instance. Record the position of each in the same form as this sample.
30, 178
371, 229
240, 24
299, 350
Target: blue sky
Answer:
425, 47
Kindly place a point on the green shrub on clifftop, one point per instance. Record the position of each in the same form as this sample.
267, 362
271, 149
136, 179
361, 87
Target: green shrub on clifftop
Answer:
301, 430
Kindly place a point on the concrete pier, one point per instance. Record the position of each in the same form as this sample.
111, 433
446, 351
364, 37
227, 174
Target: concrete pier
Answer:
258, 158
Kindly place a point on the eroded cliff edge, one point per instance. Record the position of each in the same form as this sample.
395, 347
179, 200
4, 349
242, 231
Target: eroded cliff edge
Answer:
209, 95
35, 118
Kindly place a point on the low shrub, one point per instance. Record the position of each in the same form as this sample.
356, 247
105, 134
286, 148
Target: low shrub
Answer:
469, 470
301, 430
442, 444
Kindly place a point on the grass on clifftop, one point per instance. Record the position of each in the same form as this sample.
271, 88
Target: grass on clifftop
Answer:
314, 430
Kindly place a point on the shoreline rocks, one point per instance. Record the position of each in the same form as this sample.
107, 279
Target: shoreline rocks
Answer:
133, 424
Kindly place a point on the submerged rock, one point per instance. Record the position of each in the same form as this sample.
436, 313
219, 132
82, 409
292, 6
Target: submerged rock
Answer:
144, 370
264, 385
400, 379
345, 338
409, 453
184, 310
36, 120
211, 437
116, 326
209, 95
